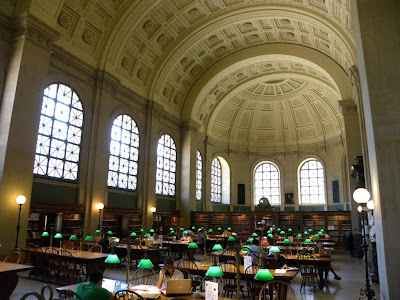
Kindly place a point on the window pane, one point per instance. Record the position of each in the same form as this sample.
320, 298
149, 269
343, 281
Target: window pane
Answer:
199, 176
267, 183
124, 155
312, 183
216, 181
60, 131
166, 166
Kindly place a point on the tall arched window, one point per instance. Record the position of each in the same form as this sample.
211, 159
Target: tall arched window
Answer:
312, 182
60, 132
199, 176
216, 181
267, 183
166, 166
124, 154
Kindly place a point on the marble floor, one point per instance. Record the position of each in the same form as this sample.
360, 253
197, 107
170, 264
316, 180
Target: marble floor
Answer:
350, 269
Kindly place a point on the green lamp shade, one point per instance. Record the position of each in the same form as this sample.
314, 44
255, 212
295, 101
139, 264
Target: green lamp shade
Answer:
270, 235
141, 230
219, 228
112, 259
171, 229
250, 240
310, 230
185, 232
73, 237
254, 234
98, 231
147, 235
217, 247
89, 238
202, 227
199, 229
299, 235
109, 232
214, 271
231, 239
306, 232
133, 234
307, 241
172, 232
152, 230
316, 236
182, 229
45, 233
193, 245
263, 275
286, 241
246, 248
210, 230
145, 263
322, 230
278, 230
273, 225
269, 231
290, 230
274, 249
229, 229
282, 232
193, 228
258, 223
58, 236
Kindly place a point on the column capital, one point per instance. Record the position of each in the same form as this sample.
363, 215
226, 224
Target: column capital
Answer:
35, 30
191, 125
347, 107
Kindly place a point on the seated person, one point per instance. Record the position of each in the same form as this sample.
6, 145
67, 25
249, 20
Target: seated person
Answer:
280, 259
92, 290
316, 250
254, 251
156, 240
201, 238
105, 243
264, 242
168, 272
226, 233
186, 238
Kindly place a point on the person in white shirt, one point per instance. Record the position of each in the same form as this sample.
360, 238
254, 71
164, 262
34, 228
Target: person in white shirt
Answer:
168, 272
156, 239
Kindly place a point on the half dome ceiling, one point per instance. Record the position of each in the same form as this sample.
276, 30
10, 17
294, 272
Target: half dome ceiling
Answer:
165, 50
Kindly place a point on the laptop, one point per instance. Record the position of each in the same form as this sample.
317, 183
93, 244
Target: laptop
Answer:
325, 253
113, 285
178, 287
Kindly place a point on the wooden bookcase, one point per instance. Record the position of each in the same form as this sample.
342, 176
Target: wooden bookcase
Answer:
163, 221
121, 221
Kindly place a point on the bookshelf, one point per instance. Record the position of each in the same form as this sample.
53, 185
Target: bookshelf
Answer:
121, 221
163, 221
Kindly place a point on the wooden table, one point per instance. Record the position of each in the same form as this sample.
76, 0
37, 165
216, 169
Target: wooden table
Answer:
9, 278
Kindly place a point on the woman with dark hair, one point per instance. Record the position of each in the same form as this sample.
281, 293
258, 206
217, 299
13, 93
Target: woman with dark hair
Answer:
168, 272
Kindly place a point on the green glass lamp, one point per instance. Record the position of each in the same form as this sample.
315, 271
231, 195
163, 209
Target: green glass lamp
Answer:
283, 233
202, 227
310, 230
193, 228
172, 232
322, 230
147, 235
152, 230
112, 258
290, 230
109, 232
278, 230
210, 230
270, 235
263, 275
171, 229
219, 228
141, 230
214, 271
73, 237
89, 238
316, 236
258, 223
58, 236
45, 233
193, 245
273, 225
133, 234
217, 247
145, 263
229, 229
307, 241
286, 241
274, 249
250, 240
254, 234
185, 232
269, 231
199, 230
231, 239
246, 249
299, 236
98, 231
182, 229
306, 232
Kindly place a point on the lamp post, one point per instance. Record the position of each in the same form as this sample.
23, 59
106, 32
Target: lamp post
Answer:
361, 196
21, 199
100, 206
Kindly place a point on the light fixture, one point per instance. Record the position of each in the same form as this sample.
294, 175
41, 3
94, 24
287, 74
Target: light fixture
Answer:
193, 245
45, 233
185, 232
246, 248
112, 258
286, 241
100, 207
219, 228
217, 247
229, 229
193, 228
172, 232
153, 209
275, 249
21, 199
171, 229
310, 230
283, 233
290, 230
307, 241
133, 234
278, 230
182, 229
147, 235
73, 237
270, 235
58, 236
210, 230
299, 235
89, 238
359, 208
250, 240
263, 275
371, 204
214, 271
316, 236
231, 239
145, 263
109, 232
361, 195
152, 230
254, 234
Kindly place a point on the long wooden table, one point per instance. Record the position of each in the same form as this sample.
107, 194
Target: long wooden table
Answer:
9, 278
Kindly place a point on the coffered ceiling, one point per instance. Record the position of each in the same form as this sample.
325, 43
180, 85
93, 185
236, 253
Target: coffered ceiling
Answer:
190, 56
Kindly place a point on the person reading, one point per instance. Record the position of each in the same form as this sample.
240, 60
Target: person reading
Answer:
168, 272
317, 250
92, 289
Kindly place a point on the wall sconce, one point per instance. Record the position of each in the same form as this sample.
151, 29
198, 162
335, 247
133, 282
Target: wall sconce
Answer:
153, 209
21, 199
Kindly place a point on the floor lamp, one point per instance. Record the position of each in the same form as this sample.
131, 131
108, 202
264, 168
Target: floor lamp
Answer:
21, 199
362, 197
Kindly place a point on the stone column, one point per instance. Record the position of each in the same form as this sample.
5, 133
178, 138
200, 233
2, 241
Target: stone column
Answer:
377, 30
24, 83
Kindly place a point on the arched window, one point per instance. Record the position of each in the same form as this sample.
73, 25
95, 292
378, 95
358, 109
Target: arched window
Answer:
216, 181
199, 176
312, 182
124, 154
166, 166
60, 134
267, 183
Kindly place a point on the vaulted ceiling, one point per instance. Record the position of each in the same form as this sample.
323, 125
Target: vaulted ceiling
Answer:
253, 73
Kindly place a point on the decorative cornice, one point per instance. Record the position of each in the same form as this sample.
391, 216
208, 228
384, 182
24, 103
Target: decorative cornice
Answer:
347, 107
35, 30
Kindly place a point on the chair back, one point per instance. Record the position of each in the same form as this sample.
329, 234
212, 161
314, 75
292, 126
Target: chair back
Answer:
96, 248
187, 264
13, 257
43, 291
34, 295
127, 294
70, 294
68, 245
144, 276
52, 251
253, 286
64, 253
276, 289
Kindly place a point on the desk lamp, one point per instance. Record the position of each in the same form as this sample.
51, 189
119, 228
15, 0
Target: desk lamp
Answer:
58, 236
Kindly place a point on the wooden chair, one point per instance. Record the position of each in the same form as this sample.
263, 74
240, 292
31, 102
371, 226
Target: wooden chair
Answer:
127, 294
253, 286
219, 280
144, 276
43, 292
69, 294
14, 257
276, 290
187, 265
230, 286
308, 273
96, 248
34, 295
68, 245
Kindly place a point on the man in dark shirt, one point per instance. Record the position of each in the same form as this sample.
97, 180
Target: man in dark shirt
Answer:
105, 243
92, 290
